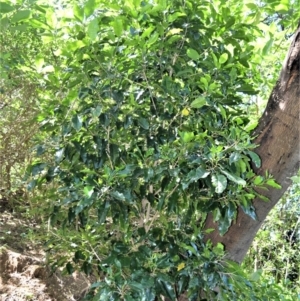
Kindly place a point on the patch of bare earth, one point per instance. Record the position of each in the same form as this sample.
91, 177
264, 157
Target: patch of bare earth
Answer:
23, 273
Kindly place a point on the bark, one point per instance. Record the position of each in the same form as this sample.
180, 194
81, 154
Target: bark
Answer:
278, 137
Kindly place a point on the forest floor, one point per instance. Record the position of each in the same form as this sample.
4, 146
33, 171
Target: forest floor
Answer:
23, 272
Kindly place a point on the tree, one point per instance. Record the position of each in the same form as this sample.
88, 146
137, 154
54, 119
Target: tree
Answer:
277, 135
17, 109
144, 113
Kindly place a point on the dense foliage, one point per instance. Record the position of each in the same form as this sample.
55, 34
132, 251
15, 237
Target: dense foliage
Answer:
145, 128
17, 111
275, 251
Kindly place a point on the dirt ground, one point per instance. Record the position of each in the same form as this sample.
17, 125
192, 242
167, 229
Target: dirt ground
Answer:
23, 273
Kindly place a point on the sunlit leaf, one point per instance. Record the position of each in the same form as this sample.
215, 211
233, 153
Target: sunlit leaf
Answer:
258, 180
251, 126
78, 12
89, 7
88, 190
219, 182
187, 136
193, 54
267, 47
21, 15
223, 58
5, 7
92, 29
198, 102
118, 26
153, 38
273, 184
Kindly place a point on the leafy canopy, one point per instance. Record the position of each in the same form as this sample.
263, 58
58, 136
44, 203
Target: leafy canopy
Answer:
145, 109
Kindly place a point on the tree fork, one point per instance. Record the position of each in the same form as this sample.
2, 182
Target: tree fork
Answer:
278, 140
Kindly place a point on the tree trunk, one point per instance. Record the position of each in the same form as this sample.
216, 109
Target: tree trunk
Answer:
278, 137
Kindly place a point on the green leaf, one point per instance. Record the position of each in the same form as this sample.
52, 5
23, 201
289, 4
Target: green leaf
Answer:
118, 195
118, 26
69, 268
296, 179
173, 17
193, 54
39, 62
144, 123
165, 182
247, 89
136, 286
153, 39
233, 177
234, 157
255, 276
198, 102
258, 180
78, 12
38, 23
21, 15
215, 59
267, 47
166, 287
6, 8
251, 125
226, 218
59, 155
182, 283
37, 168
87, 268
223, 58
89, 7
77, 122
282, 7
187, 136
193, 176
230, 22
97, 111
147, 32
127, 170
219, 249
264, 198
92, 29
219, 182
252, 6
88, 191
40, 150
273, 184
245, 63
204, 81
78, 255
249, 210
102, 211
255, 158
31, 185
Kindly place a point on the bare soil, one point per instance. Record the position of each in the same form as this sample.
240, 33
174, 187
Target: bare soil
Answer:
23, 272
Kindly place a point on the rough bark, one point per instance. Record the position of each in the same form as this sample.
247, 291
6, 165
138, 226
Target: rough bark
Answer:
278, 137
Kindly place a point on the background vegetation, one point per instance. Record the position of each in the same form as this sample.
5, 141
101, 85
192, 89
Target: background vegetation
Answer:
123, 123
